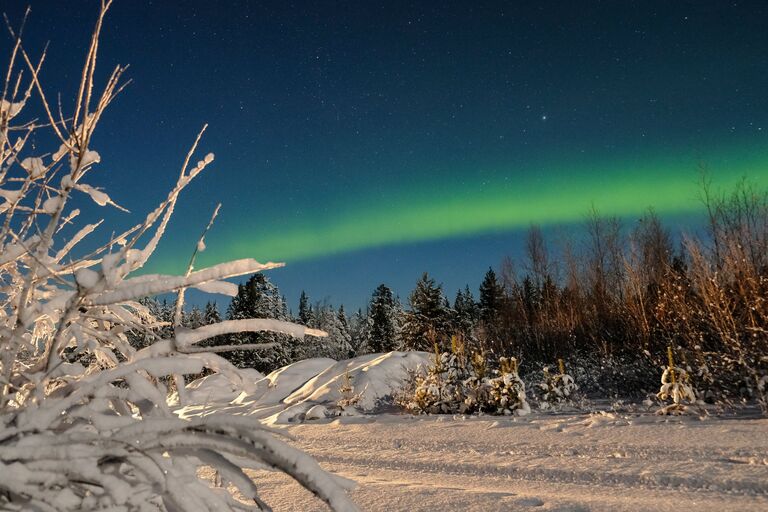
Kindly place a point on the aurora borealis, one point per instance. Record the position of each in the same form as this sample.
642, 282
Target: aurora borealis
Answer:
496, 205
368, 142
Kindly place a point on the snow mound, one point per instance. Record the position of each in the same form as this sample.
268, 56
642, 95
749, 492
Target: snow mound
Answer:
219, 387
309, 389
373, 377
280, 383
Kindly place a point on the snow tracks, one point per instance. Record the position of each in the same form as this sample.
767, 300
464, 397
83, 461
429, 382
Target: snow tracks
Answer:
575, 463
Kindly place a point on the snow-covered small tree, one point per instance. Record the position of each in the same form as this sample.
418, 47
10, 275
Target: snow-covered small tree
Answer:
557, 389
506, 393
458, 383
84, 418
675, 386
348, 398
439, 389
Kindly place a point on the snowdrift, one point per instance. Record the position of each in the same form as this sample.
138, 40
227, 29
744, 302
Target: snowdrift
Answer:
305, 390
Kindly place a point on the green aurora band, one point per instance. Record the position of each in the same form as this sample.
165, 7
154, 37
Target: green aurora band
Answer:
439, 210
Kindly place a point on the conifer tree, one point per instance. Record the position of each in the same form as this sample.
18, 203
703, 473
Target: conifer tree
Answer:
345, 337
383, 335
427, 321
259, 298
194, 318
359, 331
466, 313
491, 298
211, 314
304, 309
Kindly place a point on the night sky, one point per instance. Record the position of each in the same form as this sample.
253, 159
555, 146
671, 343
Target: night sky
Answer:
366, 142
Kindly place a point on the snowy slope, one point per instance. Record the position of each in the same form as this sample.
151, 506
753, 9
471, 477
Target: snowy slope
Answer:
375, 376
286, 395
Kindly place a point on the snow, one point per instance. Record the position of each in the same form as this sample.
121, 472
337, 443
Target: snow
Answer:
218, 387
34, 166
375, 376
541, 462
86, 278
289, 394
605, 460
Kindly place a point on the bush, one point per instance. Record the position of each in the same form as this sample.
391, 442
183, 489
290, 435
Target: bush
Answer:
557, 389
455, 384
84, 422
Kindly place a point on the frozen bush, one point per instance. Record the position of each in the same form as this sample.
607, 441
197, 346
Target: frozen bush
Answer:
675, 386
84, 419
455, 384
556, 389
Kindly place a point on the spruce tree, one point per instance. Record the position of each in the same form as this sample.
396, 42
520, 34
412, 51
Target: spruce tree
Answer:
259, 298
359, 331
466, 313
427, 321
211, 314
304, 309
194, 318
491, 299
345, 337
383, 333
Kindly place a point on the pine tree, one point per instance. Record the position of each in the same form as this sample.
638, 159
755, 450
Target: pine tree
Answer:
345, 337
491, 298
383, 335
466, 313
259, 298
304, 309
427, 321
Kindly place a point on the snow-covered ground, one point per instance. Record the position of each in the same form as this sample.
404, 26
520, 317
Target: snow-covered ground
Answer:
573, 463
599, 461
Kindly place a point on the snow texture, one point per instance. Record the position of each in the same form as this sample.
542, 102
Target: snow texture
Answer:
602, 462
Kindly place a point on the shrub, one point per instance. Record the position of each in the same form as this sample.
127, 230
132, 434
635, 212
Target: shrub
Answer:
84, 422
455, 384
557, 389
675, 385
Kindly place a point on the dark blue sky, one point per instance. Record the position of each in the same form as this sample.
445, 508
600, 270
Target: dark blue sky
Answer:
367, 142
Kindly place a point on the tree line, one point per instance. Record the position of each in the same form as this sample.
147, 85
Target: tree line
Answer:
611, 303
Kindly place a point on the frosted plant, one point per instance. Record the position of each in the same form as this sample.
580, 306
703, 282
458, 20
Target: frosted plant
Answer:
435, 392
675, 385
506, 393
84, 421
557, 388
346, 404
454, 385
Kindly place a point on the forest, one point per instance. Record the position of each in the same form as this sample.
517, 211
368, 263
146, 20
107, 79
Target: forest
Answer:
608, 305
